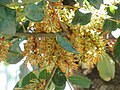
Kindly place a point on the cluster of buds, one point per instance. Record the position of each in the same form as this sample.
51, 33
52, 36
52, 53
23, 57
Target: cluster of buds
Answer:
4, 47
35, 84
87, 38
47, 53
50, 22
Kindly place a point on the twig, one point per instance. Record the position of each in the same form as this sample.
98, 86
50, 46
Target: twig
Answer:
69, 84
36, 34
118, 21
68, 6
23, 27
63, 27
50, 79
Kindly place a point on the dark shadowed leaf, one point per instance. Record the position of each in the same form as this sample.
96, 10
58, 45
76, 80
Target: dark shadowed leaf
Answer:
96, 3
33, 12
69, 2
15, 53
80, 81
81, 17
118, 25
80, 1
44, 74
15, 48
59, 79
7, 20
27, 78
64, 43
19, 28
106, 67
109, 25
114, 11
116, 50
13, 58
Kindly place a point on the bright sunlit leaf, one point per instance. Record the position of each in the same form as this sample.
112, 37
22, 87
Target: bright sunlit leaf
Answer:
80, 81
106, 67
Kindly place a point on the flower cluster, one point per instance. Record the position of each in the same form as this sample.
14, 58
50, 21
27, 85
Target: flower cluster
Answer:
4, 47
50, 22
47, 53
35, 84
87, 38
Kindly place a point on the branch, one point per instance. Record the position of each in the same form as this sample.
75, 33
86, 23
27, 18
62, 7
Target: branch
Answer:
118, 21
38, 34
70, 7
50, 79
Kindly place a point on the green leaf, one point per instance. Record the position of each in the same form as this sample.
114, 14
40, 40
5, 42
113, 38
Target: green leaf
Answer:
65, 44
118, 25
115, 13
33, 12
80, 1
51, 86
15, 48
81, 17
19, 28
7, 20
106, 67
80, 81
41, 4
27, 78
15, 53
54, 0
116, 50
44, 75
13, 58
59, 78
59, 88
96, 3
7, 1
109, 25
112, 9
